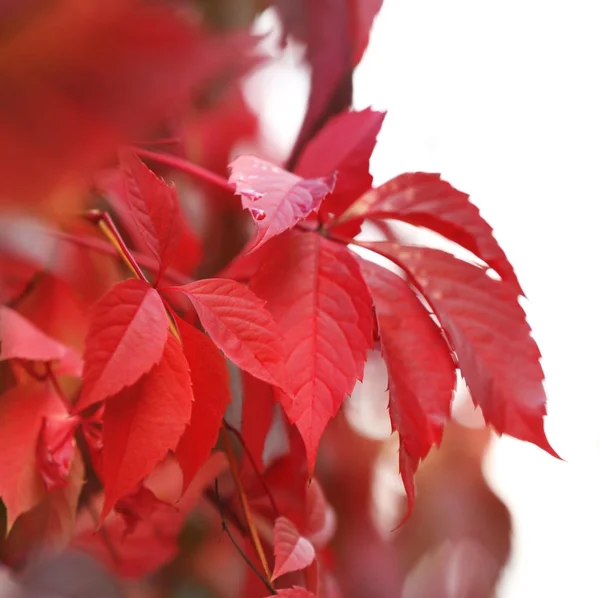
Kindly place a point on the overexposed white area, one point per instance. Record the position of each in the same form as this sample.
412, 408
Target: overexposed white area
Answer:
503, 100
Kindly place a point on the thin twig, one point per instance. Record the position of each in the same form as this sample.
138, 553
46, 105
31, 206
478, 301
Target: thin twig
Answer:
259, 475
236, 545
244, 502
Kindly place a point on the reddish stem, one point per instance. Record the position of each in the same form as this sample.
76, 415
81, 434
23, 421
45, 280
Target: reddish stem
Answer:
198, 172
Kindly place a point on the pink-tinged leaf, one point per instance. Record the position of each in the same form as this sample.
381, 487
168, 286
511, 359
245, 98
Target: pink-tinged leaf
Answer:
145, 421
293, 552
22, 411
488, 331
276, 199
362, 15
344, 145
421, 371
316, 294
257, 417
154, 207
321, 520
210, 383
424, 199
19, 339
295, 592
127, 336
238, 323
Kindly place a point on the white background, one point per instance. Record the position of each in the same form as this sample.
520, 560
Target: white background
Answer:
503, 99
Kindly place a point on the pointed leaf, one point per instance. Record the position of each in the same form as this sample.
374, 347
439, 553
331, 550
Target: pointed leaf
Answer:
276, 199
127, 336
424, 199
238, 323
22, 410
421, 372
314, 289
344, 145
293, 552
145, 421
488, 331
155, 208
210, 383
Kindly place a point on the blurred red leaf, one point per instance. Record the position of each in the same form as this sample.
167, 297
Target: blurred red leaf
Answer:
145, 421
314, 290
81, 78
126, 338
320, 516
295, 592
276, 199
293, 552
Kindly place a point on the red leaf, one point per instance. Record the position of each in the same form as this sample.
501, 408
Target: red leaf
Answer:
19, 339
488, 331
139, 505
424, 199
336, 33
238, 323
210, 383
80, 80
321, 519
276, 199
421, 371
293, 552
344, 145
295, 592
144, 422
127, 335
314, 289
22, 410
257, 417
155, 209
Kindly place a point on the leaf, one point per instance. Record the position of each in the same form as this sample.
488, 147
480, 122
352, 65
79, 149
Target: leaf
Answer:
293, 552
315, 292
421, 372
487, 329
116, 70
295, 592
126, 337
238, 323
145, 421
424, 199
321, 520
155, 208
210, 383
335, 33
344, 145
276, 199
22, 410
19, 339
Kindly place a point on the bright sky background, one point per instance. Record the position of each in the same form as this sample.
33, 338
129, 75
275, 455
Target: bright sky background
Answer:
503, 100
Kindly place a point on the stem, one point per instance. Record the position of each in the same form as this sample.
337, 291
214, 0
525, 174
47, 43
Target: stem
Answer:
107, 226
259, 475
236, 546
202, 174
244, 502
